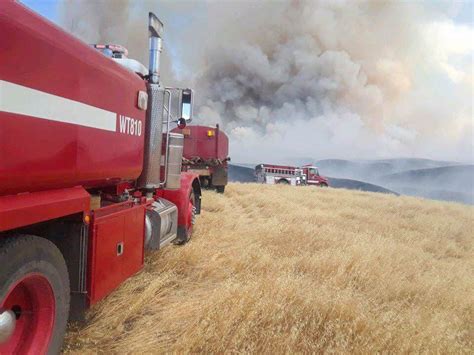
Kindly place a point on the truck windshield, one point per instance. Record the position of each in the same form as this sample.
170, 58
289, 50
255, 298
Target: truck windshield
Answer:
313, 171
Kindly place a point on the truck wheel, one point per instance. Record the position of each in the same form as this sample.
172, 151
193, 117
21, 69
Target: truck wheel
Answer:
283, 182
34, 296
220, 189
323, 185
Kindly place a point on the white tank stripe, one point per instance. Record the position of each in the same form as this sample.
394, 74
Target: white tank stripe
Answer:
22, 100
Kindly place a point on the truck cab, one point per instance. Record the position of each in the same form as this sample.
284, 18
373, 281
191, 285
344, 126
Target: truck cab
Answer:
313, 177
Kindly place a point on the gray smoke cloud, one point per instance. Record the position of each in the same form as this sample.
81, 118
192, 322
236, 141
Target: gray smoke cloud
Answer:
320, 79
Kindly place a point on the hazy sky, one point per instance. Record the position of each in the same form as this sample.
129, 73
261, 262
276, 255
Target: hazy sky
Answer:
461, 12
322, 79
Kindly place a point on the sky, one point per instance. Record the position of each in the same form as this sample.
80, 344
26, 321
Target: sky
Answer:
47, 8
379, 94
462, 14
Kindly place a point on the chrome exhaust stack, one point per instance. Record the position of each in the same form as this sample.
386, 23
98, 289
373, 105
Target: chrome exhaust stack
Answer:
155, 30
161, 112
150, 177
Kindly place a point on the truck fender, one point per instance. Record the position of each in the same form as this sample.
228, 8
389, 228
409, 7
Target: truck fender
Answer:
189, 184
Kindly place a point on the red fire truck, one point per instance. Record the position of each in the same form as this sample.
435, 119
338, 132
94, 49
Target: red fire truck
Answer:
206, 152
312, 177
84, 186
290, 175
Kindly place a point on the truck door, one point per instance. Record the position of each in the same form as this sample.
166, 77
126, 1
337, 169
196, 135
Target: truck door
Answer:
313, 176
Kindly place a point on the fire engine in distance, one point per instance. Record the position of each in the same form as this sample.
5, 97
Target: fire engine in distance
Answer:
290, 175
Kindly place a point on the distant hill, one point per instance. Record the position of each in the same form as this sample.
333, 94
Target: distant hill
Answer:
446, 175
244, 174
437, 194
451, 183
402, 164
239, 173
246, 165
360, 170
364, 170
434, 179
372, 170
358, 185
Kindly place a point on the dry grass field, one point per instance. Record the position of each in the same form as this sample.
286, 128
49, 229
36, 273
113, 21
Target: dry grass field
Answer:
283, 269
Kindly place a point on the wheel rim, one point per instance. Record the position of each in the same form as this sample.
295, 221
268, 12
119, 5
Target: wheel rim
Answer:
32, 301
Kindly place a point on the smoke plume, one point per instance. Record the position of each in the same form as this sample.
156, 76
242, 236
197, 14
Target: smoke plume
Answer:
319, 79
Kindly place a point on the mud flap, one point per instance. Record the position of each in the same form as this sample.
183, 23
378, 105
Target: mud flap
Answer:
219, 176
183, 236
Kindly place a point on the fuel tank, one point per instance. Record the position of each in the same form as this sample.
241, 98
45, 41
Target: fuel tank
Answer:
68, 115
204, 142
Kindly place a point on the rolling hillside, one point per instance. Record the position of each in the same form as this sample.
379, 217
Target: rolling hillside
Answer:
246, 174
451, 183
433, 179
457, 177
239, 173
276, 269
370, 169
351, 184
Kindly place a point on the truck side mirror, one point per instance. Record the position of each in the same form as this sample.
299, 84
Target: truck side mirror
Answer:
186, 106
181, 123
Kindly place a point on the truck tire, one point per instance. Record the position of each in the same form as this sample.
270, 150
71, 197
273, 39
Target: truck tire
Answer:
34, 292
323, 184
283, 182
220, 189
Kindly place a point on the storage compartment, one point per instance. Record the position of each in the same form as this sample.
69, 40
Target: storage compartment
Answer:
116, 247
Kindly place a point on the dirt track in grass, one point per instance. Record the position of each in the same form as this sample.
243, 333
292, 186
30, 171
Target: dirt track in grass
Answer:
285, 269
